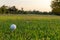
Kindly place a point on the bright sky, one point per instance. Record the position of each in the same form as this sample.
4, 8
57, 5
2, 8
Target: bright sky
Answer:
41, 5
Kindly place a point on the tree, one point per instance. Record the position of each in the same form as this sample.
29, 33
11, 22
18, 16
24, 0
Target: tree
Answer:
12, 9
22, 10
3, 9
55, 5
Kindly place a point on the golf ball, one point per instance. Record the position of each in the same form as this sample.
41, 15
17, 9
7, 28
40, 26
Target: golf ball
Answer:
13, 27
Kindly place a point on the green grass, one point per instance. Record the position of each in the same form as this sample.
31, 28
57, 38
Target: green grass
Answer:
30, 27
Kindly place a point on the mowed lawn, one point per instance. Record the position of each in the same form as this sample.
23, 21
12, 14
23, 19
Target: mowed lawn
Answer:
30, 27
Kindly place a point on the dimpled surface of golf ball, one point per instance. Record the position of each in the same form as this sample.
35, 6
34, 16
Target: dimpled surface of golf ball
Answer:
13, 27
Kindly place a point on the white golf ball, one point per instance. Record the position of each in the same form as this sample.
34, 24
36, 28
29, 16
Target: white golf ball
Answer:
13, 27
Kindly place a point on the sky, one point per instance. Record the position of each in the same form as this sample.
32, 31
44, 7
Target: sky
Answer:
40, 5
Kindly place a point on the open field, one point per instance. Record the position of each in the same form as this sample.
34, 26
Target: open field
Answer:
30, 27
28, 17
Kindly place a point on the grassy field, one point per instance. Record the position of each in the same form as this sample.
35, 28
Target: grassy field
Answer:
30, 27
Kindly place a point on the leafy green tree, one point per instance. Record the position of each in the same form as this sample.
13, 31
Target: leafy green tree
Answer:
3, 9
13, 10
55, 5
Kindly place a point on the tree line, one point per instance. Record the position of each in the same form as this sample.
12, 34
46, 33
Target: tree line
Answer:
55, 5
13, 10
